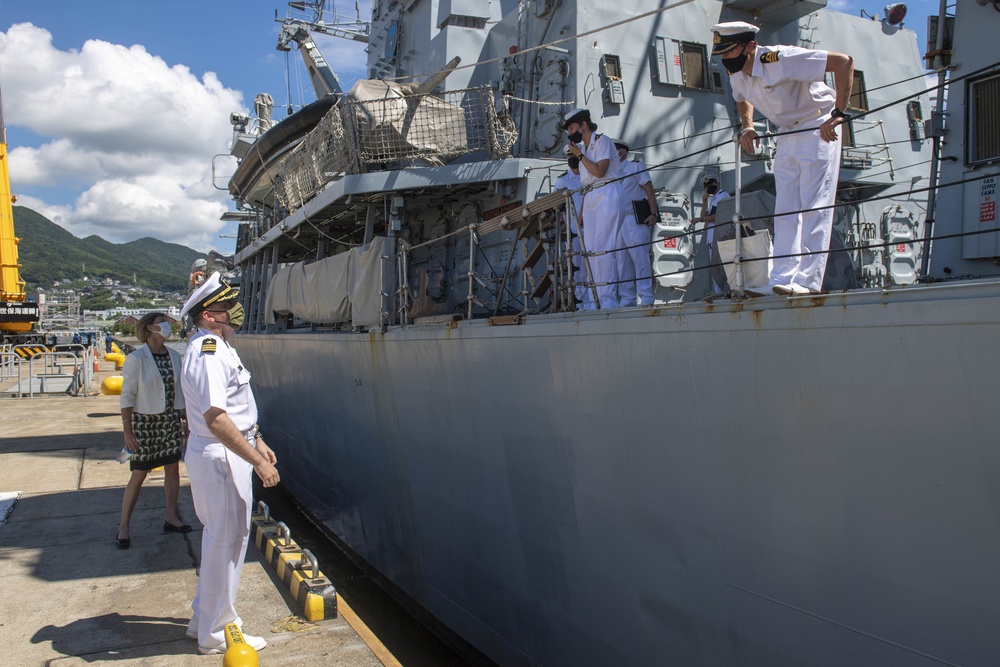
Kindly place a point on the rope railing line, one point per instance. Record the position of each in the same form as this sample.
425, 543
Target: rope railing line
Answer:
744, 220
923, 75
885, 244
588, 188
900, 100
875, 198
852, 248
858, 116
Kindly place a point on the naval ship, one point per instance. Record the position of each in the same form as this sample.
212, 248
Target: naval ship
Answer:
710, 480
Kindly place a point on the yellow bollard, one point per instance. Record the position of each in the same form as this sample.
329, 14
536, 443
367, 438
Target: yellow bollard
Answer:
116, 357
112, 385
239, 653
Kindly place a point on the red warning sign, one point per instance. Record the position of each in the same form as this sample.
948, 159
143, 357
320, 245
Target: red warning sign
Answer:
670, 244
987, 211
988, 200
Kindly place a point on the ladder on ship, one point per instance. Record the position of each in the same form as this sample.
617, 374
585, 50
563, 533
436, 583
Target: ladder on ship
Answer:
544, 235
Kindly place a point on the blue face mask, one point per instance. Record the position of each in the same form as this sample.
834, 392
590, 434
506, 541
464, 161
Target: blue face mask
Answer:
165, 329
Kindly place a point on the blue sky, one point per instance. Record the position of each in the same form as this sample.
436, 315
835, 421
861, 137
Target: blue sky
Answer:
115, 109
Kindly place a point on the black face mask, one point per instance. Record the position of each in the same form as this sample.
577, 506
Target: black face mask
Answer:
712, 189
576, 137
574, 163
734, 65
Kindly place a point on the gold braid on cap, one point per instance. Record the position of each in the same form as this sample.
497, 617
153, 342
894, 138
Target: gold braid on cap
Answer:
219, 294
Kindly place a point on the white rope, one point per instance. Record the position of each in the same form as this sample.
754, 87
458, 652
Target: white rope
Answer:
552, 104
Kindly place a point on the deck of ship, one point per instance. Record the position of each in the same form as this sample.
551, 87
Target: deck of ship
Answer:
71, 597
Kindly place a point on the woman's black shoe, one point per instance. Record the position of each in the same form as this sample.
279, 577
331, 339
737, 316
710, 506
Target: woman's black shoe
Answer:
123, 543
171, 528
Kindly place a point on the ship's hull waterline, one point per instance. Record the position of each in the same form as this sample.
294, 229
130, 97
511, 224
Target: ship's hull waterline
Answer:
774, 482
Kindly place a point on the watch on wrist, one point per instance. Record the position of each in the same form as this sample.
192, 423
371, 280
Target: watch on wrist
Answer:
837, 113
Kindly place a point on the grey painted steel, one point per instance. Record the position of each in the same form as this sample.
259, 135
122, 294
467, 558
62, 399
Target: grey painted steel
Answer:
774, 482
393, 181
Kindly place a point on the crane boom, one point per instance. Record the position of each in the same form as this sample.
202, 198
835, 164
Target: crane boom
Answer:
16, 315
300, 30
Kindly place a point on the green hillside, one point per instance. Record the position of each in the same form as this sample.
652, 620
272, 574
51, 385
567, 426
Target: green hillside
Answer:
48, 252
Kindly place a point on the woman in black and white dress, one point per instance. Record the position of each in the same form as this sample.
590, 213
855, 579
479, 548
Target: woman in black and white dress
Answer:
152, 407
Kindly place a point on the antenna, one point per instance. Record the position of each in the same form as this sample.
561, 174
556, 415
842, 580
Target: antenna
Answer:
313, 17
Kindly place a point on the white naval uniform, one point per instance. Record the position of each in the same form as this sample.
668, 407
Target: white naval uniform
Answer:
789, 90
634, 264
221, 481
571, 181
602, 217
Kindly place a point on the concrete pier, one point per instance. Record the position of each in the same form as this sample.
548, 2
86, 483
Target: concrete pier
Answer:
70, 596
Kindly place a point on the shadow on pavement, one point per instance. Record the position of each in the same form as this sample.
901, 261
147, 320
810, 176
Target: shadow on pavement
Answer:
91, 639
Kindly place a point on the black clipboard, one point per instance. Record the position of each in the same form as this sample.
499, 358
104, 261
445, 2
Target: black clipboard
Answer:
642, 211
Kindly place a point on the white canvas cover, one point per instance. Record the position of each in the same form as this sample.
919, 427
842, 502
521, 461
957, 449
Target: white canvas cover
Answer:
315, 292
344, 288
368, 274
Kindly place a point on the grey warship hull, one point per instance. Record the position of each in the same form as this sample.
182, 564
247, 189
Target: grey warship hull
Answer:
780, 482
713, 480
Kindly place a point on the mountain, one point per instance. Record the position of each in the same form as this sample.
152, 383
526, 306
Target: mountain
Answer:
47, 252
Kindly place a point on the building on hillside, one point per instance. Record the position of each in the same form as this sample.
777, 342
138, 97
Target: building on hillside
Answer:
132, 320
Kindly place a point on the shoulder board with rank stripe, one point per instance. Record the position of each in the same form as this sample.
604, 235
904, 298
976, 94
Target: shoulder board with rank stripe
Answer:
208, 346
769, 57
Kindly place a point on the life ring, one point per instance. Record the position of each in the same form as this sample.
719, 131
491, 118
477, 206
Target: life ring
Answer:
197, 278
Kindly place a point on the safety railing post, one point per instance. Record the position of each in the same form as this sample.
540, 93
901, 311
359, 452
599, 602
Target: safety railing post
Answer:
738, 256
471, 273
404, 283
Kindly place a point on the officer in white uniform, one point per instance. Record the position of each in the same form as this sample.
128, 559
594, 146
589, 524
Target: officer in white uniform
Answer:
224, 449
601, 218
571, 181
635, 267
785, 83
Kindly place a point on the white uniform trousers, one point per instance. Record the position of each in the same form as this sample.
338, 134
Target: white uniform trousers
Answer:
634, 264
601, 220
222, 490
806, 170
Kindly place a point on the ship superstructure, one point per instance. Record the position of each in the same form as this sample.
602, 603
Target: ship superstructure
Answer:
711, 481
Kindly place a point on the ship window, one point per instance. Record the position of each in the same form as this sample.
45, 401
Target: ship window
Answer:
694, 65
681, 63
984, 109
859, 93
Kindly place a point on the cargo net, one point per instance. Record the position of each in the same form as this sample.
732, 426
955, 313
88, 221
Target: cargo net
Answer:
365, 133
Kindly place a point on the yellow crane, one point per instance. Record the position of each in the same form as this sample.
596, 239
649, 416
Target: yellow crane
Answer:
17, 316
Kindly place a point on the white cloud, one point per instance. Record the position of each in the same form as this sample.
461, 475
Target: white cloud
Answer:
131, 135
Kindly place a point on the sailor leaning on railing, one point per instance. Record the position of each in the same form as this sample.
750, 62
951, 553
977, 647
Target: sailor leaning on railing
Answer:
785, 83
